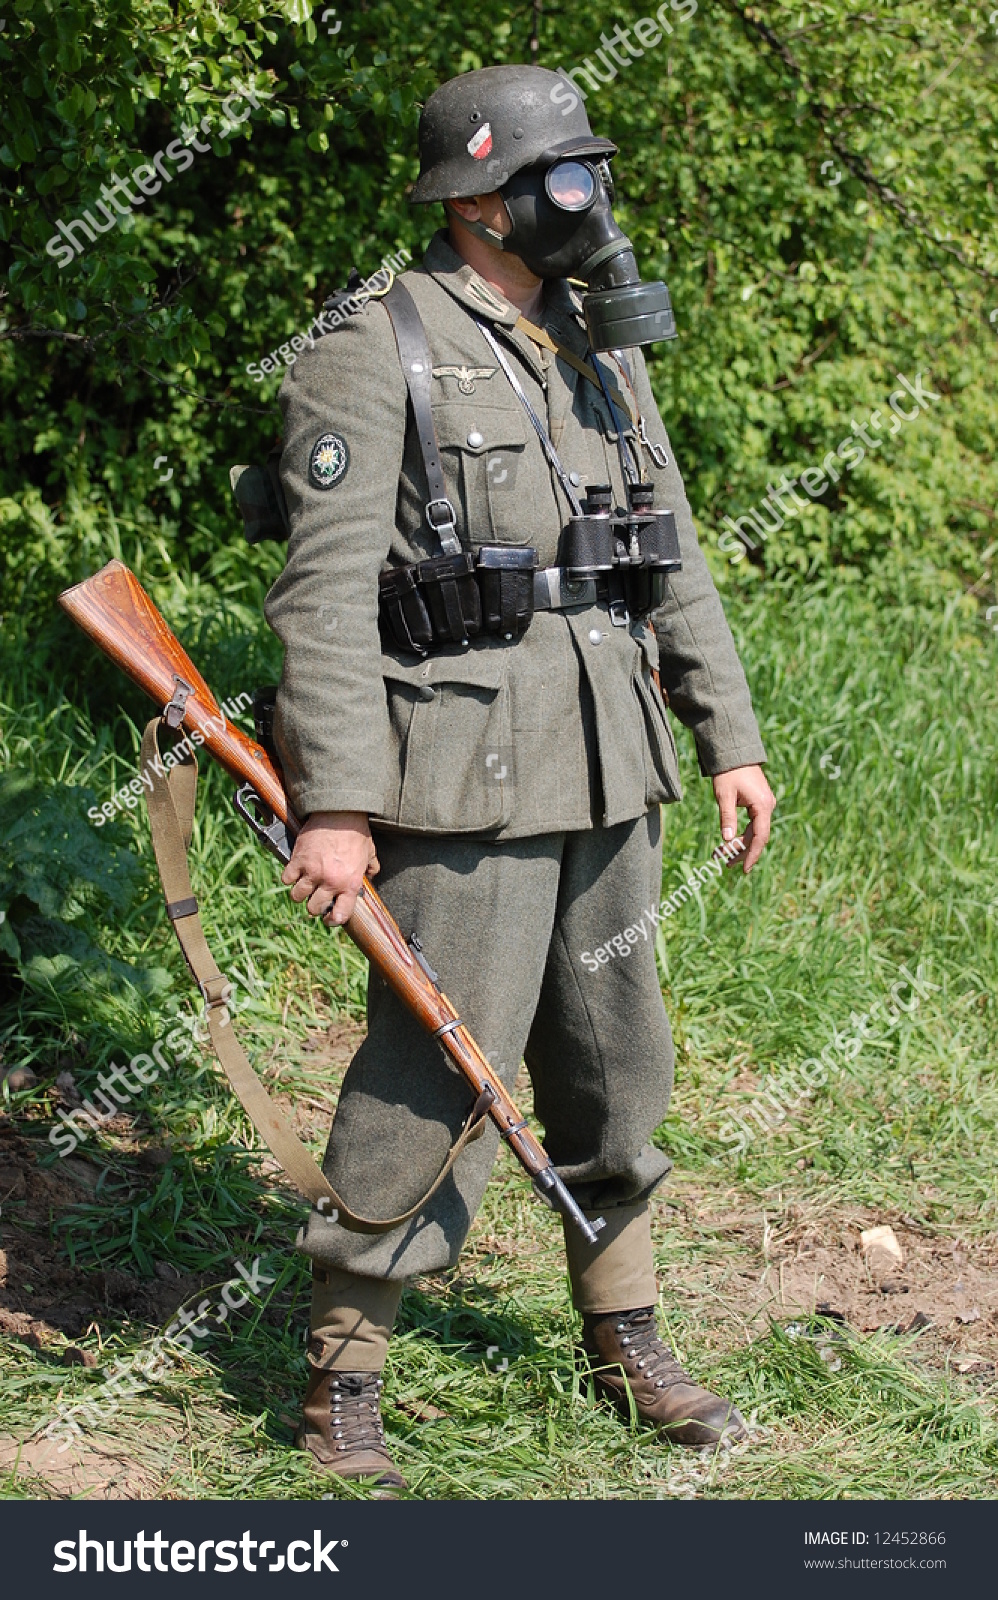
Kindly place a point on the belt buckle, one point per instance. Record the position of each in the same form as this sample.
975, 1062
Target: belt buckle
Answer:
575, 592
216, 993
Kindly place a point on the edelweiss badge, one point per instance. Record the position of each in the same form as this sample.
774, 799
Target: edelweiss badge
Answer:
466, 377
329, 461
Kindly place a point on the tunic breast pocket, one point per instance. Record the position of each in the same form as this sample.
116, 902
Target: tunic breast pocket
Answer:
486, 457
450, 718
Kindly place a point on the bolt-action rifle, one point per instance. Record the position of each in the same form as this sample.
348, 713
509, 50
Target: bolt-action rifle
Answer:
118, 615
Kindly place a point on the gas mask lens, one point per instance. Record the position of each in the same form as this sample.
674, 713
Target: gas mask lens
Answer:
571, 185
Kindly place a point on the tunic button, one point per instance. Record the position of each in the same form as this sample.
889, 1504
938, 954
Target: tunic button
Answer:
594, 636
475, 439
574, 479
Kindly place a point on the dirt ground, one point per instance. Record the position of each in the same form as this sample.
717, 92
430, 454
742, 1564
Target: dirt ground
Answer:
805, 1259
731, 1266
41, 1294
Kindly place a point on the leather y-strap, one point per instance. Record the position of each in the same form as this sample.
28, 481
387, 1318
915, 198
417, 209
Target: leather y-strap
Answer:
542, 337
417, 369
171, 816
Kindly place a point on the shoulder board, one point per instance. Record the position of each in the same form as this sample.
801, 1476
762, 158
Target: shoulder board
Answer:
343, 303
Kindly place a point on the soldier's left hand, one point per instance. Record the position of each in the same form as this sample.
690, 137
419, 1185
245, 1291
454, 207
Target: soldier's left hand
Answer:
745, 786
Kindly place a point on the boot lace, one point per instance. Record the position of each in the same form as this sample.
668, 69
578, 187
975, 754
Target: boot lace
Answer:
355, 1405
645, 1350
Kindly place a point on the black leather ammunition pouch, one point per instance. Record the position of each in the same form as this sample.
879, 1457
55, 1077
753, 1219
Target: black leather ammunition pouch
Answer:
645, 591
449, 599
402, 611
505, 577
447, 586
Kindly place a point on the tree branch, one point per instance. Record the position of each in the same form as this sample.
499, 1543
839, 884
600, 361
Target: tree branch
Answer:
858, 165
802, 366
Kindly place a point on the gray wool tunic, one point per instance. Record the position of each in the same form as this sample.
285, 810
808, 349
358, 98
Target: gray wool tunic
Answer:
563, 729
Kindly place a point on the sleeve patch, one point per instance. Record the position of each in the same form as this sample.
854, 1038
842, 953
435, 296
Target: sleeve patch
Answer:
329, 461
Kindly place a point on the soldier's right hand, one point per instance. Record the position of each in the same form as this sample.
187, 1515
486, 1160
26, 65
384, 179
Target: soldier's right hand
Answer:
331, 855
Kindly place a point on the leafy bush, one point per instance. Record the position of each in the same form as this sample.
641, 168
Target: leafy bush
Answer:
57, 876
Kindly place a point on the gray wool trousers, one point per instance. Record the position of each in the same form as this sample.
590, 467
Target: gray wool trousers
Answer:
506, 926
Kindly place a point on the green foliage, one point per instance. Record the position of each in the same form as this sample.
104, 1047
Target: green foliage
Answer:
56, 875
815, 182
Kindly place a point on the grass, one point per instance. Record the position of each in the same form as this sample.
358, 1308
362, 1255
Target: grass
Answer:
884, 853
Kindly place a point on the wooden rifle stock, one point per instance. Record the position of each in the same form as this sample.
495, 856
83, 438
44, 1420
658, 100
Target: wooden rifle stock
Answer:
114, 610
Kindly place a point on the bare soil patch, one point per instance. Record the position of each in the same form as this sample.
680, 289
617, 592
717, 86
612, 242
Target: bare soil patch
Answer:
803, 1260
310, 1103
91, 1470
41, 1294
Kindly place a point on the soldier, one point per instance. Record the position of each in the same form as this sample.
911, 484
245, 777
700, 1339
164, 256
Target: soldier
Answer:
507, 782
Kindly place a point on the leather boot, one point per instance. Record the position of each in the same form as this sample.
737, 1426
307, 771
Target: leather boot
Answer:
342, 1427
630, 1362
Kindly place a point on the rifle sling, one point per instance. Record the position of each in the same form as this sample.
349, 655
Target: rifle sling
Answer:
171, 818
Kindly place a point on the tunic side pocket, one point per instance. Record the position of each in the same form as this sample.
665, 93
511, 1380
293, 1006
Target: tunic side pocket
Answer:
451, 725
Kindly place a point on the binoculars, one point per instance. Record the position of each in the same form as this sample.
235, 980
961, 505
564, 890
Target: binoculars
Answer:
642, 545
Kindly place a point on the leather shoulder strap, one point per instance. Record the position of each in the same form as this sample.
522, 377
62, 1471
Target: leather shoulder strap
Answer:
417, 369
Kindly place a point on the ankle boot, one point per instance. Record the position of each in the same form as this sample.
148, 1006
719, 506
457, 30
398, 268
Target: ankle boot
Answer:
631, 1363
341, 1425
342, 1428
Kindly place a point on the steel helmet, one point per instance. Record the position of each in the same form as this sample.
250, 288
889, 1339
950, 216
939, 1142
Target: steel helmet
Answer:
478, 130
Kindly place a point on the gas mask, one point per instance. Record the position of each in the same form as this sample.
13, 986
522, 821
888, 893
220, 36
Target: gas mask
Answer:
563, 227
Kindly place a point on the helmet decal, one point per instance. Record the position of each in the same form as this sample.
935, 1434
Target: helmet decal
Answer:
480, 143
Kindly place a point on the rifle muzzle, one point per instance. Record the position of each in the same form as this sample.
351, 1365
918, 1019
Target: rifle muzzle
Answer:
549, 1187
